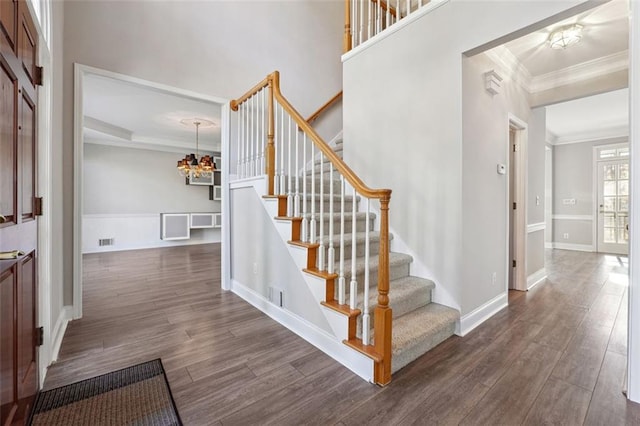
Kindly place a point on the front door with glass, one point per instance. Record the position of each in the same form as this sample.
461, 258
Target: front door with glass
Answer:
613, 206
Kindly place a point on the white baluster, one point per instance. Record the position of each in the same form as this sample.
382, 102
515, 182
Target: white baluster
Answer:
388, 20
283, 189
398, 15
247, 136
296, 196
304, 229
312, 224
244, 135
252, 119
290, 183
419, 3
256, 155
239, 141
321, 249
353, 285
331, 253
366, 320
361, 25
263, 165
276, 177
408, 7
341, 280
369, 12
354, 16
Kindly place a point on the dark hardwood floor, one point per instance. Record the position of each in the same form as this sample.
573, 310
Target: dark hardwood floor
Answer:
556, 355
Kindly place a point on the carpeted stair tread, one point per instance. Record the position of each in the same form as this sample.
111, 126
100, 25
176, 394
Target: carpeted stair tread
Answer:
405, 295
374, 238
419, 331
395, 259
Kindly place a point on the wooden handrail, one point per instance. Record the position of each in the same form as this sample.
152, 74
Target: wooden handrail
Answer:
339, 164
234, 104
313, 117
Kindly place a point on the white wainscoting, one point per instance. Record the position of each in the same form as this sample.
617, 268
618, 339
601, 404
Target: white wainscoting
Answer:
134, 231
572, 217
535, 227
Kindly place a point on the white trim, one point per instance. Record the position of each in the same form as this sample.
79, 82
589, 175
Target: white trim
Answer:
482, 313
572, 216
633, 354
424, 10
536, 278
574, 247
80, 71
225, 237
520, 223
353, 360
620, 131
580, 72
548, 245
66, 315
509, 63
535, 227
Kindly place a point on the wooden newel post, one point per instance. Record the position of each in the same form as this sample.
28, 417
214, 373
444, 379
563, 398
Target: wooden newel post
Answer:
346, 45
271, 149
382, 317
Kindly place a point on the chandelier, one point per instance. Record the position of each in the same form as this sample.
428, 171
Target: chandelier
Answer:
190, 166
565, 37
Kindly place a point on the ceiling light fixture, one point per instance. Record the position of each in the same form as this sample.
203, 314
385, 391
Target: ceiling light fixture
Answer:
189, 166
565, 36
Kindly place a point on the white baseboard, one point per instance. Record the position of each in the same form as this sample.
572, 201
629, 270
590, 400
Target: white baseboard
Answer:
479, 315
536, 278
548, 245
66, 314
575, 247
354, 361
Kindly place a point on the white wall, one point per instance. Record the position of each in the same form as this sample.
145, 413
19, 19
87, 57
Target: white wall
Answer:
417, 148
260, 266
216, 48
573, 179
125, 191
536, 201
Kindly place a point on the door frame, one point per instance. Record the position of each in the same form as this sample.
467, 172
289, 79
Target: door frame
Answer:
80, 72
520, 225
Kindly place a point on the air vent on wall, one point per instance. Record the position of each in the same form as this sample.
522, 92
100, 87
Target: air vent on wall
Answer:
105, 242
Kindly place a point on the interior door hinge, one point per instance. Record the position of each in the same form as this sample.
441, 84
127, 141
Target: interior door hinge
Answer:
514, 206
515, 147
37, 208
513, 263
39, 77
39, 336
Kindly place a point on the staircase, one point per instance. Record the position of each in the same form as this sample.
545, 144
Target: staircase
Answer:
369, 297
418, 323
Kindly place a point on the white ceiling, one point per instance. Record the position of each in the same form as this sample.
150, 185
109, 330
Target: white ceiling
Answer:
128, 114
605, 32
593, 117
603, 48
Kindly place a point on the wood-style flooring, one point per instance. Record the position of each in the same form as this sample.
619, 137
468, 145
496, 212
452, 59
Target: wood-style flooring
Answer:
556, 355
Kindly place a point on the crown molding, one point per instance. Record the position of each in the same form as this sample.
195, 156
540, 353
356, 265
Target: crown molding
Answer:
152, 144
107, 128
510, 66
580, 72
611, 132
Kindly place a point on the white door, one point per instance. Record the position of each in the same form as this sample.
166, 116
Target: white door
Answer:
613, 206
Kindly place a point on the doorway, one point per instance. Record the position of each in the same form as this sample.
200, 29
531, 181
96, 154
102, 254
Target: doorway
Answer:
111, 144
612, 192
516, 217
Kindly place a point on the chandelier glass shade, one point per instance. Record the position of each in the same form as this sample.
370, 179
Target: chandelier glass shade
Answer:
565, 37
190, 166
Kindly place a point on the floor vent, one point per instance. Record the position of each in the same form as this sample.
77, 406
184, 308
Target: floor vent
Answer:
105, 242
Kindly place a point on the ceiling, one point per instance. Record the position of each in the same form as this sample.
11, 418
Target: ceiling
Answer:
594, 117
605, 32
128, 114
602, 49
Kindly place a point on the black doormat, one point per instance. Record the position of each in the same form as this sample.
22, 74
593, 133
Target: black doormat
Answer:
137, 395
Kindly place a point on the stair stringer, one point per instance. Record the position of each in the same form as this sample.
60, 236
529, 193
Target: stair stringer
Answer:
355, 361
